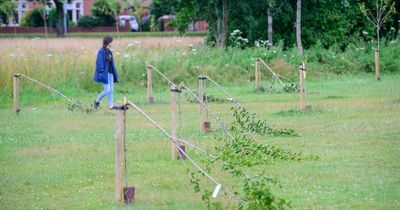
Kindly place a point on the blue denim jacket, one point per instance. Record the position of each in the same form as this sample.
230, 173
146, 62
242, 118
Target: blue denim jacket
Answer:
101, 71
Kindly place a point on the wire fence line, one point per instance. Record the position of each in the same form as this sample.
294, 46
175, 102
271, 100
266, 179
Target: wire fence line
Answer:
212, 179
181, 151
224, 91
53, 90
183, 87
48, 88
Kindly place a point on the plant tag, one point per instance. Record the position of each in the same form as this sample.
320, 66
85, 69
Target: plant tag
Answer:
216, 191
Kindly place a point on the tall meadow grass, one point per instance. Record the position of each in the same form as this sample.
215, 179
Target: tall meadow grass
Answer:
68, 64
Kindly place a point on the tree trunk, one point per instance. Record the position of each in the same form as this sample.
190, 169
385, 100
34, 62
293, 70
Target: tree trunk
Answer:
377, 51
298, 28
43, 14
218, 26
270, 43
117, 23
60, 18
224, 22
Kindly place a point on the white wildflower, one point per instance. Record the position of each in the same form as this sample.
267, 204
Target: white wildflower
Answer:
365, 33
49, 55
126, 55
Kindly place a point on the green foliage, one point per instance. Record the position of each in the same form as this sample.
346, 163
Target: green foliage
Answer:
241, 152
76, 105
52, 18
182, 20
103, 11
248, 122
32, 18
163, 7
327, 22
208, 98
88, 21
7, 10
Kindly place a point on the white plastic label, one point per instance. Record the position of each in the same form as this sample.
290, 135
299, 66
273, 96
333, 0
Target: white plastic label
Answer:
216, 191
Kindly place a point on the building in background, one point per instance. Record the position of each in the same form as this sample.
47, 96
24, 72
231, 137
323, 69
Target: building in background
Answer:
75, 9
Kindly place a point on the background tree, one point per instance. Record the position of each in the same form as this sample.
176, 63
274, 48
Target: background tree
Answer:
60, 17
137, 12
325, 23
104, 13
116, 9
159, 8
273, 8
383, 8
298, 28
215, 12
44, 13
7, 10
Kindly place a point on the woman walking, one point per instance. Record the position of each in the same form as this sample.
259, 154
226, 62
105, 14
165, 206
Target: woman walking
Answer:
105, 72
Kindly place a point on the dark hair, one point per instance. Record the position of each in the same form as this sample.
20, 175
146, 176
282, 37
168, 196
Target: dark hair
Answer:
107, 40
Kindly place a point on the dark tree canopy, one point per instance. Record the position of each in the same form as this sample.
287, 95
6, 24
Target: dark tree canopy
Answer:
325, 23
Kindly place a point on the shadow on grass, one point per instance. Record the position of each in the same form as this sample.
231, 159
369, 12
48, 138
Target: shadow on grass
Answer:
333, 97
296, 112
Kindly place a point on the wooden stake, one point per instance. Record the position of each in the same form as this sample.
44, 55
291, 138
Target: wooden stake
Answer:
120, 115
150, 98
16, 93
174, 149
377, 76
205, 126
201, 94
257, 74
302, 73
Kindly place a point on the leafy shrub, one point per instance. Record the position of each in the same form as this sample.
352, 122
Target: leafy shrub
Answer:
52, 18
103, 11
88, 21
32, 18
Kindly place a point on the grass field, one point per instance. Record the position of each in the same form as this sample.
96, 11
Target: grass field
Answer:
52, 158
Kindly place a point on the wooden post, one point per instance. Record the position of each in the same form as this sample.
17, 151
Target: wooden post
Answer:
377, 76
174, 90
257, 74
302, 73
120, 116
16, 93
201, 101
150, 98
205, 126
